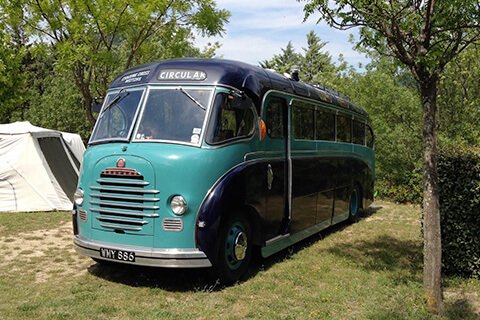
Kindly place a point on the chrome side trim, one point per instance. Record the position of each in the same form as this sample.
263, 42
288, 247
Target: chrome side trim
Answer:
172, 224
123, 213
122, 205
115, 197
120, 227
123, 182
108, 219
279, 243
289, 159
154, 257
101, 189
277, 238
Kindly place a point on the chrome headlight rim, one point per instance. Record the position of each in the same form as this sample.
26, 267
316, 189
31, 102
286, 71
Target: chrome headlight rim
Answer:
178, 205
78, 197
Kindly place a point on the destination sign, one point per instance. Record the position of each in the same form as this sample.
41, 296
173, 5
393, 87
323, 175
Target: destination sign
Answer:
135, 77
180, 74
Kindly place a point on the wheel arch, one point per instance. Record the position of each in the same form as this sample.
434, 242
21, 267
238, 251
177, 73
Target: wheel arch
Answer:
231, 194
359, 188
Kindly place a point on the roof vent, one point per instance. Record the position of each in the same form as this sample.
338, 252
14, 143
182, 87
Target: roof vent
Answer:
294, 72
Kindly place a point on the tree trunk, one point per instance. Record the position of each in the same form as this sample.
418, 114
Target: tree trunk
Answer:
432, 248
83, 84
87, 104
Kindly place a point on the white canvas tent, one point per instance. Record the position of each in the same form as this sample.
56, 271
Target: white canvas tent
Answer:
38, 167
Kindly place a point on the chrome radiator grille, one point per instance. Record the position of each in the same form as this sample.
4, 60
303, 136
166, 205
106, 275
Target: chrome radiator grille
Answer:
124, 203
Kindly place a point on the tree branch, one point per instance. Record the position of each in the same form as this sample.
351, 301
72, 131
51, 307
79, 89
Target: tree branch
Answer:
102, 35
114, 33
44, 15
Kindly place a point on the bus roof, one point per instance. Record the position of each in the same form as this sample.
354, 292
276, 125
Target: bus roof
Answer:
255, 81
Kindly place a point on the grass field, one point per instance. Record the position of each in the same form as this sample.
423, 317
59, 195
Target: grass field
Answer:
371, 269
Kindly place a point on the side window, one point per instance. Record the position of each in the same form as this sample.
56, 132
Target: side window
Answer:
303, 122
370, 137
325, 125
358, 132
344, 129
275, 118
232, 117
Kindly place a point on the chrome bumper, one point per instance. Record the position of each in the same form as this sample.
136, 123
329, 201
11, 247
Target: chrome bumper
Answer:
169, 258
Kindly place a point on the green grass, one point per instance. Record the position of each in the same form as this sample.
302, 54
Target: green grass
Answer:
371, 269
12, 223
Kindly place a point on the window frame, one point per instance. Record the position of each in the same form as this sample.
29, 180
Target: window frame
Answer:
297, 104
210, 116
348, 117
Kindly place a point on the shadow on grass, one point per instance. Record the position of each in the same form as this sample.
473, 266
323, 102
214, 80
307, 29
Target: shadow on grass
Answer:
183, 280
266, 263
384, 253
178, 280
460, 309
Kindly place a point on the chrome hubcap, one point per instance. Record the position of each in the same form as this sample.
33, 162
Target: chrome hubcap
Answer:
240, 246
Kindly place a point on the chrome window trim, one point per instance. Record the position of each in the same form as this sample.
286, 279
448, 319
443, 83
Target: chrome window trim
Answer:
134, 120
172, 87
228, 142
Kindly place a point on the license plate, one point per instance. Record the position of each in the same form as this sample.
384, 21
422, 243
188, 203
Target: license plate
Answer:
119, 255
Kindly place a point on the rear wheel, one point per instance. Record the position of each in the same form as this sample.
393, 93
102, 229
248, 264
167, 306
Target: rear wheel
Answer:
234, 249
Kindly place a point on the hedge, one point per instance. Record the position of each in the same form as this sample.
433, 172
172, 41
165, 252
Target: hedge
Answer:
459, 181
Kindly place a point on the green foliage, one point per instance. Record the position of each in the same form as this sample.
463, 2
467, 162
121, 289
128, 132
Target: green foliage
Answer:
56, 57
424, 35
459, 178
56, 107
92, 41
459, 100
12, 79
283, 63
394, 108
315, 63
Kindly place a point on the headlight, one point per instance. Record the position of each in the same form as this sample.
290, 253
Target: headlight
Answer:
78, 197
178, 205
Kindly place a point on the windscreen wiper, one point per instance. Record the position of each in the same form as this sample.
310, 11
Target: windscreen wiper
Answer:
191, 98
119, 96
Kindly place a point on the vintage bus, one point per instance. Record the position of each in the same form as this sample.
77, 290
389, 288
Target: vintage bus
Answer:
193, 163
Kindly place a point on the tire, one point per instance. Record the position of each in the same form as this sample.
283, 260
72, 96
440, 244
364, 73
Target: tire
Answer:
355, 204
234, 249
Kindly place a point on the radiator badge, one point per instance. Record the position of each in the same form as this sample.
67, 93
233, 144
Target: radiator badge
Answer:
121, 163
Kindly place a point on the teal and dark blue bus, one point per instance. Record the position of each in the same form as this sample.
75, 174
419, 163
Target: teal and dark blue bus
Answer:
193, 163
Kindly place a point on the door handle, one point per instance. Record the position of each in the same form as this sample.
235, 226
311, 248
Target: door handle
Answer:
269, 176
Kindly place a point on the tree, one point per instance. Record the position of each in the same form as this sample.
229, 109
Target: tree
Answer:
425, 35
459, 100
96, 39
315, 64
12, 79
385, 91
283, 63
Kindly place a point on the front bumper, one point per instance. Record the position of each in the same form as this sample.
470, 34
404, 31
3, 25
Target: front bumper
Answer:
168, 258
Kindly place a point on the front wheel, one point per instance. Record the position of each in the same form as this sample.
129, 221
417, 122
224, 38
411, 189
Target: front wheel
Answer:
234, 249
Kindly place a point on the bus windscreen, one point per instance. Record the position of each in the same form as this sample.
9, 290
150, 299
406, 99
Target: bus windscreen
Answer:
174, 115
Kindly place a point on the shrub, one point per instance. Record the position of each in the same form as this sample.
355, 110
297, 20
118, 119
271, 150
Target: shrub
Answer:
459, 178
409, 192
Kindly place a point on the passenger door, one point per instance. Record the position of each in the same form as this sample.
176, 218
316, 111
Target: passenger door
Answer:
277, 217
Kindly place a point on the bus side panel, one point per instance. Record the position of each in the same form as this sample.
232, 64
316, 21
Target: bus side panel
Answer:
364, 173
304, 193
313, 179
351, 172
243, 188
